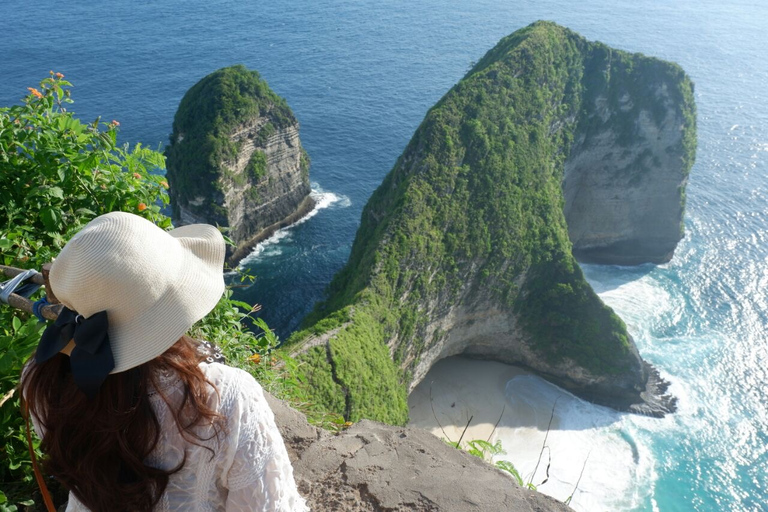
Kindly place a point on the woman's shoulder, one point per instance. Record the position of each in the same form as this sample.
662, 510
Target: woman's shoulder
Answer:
230, 382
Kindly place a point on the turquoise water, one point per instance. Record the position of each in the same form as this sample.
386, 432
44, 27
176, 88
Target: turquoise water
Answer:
360, 76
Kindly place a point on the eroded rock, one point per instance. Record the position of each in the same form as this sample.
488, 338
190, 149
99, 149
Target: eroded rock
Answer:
376, 467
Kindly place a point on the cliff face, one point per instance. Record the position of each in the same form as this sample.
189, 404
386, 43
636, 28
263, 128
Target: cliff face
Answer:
624, 182
465, 248
235, 158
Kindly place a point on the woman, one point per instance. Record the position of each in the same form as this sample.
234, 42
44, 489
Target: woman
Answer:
129, 417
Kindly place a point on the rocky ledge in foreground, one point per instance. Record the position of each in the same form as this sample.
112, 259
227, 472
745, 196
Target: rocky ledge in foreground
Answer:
235, 159
465, 248
375, 467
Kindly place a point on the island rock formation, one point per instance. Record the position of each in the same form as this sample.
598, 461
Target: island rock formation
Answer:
374, 467
465, 248
235, 159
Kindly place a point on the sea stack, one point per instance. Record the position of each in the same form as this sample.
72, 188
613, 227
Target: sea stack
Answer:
235, 159
465, 248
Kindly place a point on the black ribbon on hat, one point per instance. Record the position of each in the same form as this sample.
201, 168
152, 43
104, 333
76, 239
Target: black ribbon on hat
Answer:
91, 360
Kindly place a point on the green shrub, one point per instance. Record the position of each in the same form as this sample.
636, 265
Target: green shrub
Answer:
257, 166
58, 173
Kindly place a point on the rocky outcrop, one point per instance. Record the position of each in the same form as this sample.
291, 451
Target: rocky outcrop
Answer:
465, 247
236, 160
377, 467
625, 176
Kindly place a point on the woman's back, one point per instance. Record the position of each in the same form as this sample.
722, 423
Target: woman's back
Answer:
245, 468
132, 419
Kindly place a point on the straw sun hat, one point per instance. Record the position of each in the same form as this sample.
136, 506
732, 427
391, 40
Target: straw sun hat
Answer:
152, 284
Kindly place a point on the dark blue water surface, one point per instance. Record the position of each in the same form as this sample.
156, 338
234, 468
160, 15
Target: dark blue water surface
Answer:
360, 75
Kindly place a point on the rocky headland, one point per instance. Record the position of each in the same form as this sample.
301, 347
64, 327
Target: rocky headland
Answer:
551, 146
235, 159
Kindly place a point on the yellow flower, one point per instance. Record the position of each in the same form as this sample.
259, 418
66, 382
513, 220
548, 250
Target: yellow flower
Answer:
35, 92
255, 358
164, 184
142, 207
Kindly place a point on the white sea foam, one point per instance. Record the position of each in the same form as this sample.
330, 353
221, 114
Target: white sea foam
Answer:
271, 246
581, 433
621, 467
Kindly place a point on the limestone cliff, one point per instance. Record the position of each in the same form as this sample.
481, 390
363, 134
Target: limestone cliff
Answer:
625, 176
235, 158
465, 249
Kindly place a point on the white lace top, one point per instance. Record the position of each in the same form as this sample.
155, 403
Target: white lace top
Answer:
250, 470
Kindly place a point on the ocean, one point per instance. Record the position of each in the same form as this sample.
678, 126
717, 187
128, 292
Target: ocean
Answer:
360, 76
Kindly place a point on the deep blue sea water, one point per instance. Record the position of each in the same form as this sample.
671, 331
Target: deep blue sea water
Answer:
360, 75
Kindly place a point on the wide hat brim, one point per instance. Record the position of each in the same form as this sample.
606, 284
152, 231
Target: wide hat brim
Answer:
153, 284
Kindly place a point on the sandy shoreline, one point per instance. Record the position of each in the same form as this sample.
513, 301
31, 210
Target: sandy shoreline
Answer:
462, 388
583, 435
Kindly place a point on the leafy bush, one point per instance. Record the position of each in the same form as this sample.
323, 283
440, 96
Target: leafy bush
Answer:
257, 166
58, 173
18, 338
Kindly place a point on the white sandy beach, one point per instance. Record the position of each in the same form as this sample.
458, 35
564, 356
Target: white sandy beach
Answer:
581, 432
462, 388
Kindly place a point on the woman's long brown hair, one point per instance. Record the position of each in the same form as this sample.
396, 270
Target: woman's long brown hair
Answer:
96, 448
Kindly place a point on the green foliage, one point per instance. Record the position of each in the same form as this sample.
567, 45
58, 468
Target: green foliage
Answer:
58, 173
352, 373
18, 338
486, 451
257, 166
201, 141
265, 133
225, 326
507, 466
304, 164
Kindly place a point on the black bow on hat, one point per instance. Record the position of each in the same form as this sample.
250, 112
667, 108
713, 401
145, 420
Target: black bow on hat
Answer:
91, 360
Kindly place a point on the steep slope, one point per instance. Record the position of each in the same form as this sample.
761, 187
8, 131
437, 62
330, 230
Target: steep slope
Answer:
465, 248
235, 158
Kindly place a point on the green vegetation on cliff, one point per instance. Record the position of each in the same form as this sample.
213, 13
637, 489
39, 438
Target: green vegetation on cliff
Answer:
473, 212
201, 140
